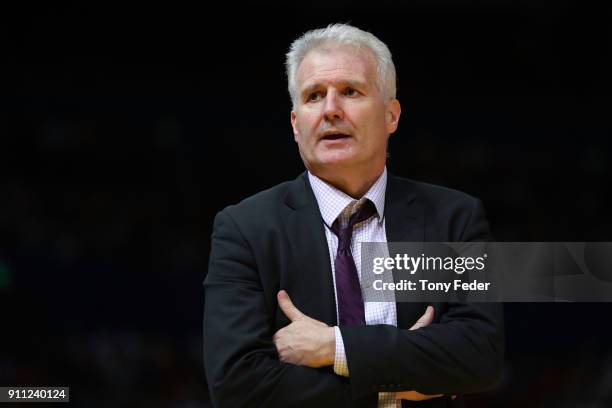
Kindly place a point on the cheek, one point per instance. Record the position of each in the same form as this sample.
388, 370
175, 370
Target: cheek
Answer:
307, 125
371, 123
375, 127
367, 114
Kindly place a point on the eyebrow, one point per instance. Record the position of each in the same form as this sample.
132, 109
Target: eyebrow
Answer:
345, 84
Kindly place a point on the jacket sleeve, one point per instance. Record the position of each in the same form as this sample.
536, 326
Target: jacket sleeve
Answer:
240, 359
462, 351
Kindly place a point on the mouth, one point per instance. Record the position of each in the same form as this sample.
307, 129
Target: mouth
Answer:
335, 136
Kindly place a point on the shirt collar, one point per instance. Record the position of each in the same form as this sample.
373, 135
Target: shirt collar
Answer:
332, 201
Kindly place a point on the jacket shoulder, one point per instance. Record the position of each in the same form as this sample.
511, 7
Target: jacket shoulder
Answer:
448, 214
261, 206
434, 194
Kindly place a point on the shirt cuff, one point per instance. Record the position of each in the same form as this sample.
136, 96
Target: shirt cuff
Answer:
340, 363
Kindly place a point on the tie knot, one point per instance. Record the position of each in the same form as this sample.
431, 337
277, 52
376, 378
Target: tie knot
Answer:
345, 232
363, 213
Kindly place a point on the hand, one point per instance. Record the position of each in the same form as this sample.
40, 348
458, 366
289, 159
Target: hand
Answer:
417, 396
305, 341
414, 396
423, 321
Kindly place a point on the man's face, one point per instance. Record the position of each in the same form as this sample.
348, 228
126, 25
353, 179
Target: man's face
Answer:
340, 120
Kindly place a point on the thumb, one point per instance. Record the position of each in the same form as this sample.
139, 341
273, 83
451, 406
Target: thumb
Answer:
286, 305
424, 320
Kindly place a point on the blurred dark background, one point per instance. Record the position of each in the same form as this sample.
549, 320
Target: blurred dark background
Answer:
124, 129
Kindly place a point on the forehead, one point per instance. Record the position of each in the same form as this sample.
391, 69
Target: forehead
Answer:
334, 65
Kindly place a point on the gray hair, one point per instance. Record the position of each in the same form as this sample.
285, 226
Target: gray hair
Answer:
342, 35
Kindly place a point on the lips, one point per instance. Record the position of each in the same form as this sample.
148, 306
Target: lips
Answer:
335, 136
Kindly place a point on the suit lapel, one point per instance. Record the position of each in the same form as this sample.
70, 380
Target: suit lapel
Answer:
404, 222
404, 218
310, 280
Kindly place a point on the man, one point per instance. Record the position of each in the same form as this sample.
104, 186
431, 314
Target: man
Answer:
284, 322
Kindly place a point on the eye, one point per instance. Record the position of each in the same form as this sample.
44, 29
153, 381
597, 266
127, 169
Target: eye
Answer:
314, 97
351, 92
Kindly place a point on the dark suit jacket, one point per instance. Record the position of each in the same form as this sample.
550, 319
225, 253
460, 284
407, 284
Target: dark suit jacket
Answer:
276, 240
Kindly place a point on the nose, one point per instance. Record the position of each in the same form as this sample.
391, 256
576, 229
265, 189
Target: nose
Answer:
332, 108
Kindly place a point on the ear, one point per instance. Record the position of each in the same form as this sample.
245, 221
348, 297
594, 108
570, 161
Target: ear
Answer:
394, 111
296, 133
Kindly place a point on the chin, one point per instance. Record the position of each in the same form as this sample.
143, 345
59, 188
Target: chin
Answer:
337, 162
337, 158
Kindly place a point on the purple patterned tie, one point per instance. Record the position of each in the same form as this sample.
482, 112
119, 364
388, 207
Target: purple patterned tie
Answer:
350, 301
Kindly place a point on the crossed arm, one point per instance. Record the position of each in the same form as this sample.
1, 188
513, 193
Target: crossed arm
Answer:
240, 360
311, 343
247, 365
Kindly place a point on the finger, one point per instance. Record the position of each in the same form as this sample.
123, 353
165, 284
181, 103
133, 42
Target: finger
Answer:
415, 396
286, 305
424, 320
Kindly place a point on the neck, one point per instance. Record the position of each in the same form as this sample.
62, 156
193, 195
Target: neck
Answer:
353, 185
